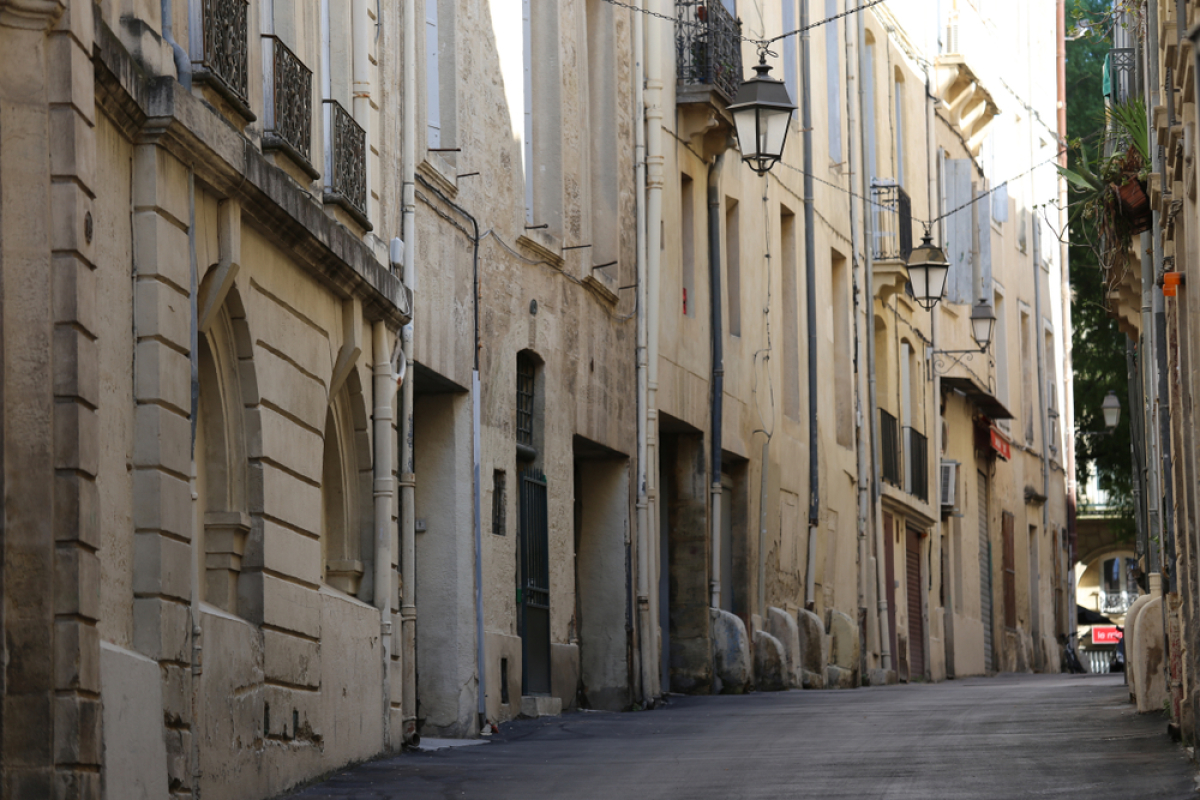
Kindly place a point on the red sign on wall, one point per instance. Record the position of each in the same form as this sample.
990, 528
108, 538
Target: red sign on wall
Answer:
1106, 634
1000, 445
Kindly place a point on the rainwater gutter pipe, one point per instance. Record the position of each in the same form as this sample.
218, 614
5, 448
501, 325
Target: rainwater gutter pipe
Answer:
718, 373
654, 228
810, 291
645, 634
864, 299
408, 479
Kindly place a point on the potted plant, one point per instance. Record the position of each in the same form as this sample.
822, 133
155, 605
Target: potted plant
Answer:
1112, 189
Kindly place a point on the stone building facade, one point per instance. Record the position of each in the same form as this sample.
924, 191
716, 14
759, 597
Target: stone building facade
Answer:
359, 372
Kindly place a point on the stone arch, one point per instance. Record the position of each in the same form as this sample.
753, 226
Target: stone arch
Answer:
347, 532
227, 388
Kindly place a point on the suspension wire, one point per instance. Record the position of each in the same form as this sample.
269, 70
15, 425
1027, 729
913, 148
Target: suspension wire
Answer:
761, 43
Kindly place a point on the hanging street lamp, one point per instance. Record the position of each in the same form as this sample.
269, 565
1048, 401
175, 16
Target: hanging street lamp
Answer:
761, 113
983, 321
927, 270
1112, 410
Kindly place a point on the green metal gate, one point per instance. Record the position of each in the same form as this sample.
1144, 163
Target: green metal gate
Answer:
533, 593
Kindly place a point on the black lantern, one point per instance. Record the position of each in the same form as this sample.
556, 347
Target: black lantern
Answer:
1111, 407
983, 321
761, 113
927, 269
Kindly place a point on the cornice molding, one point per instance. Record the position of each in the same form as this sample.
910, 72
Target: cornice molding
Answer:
31, 15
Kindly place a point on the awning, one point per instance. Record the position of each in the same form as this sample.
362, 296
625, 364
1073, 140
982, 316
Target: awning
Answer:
983, 399
1086, 616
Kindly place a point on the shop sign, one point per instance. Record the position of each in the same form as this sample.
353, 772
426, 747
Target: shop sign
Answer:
1106, 634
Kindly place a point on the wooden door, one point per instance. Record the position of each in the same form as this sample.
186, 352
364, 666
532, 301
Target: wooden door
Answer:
1010, 570
889, 560
916, 620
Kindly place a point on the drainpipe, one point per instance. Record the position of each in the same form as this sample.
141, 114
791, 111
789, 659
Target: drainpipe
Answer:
645, 650
810, 291
385, 393
718, 374
1040, 347
1148, 352
408, 481
183, 64
654, 190
864, 299
1068, 404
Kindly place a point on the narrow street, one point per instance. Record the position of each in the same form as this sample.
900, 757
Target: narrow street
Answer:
1012, 736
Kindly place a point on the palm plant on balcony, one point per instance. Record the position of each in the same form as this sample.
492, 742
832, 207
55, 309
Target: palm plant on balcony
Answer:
1111, 191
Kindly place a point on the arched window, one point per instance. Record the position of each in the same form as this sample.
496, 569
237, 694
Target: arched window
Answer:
346, 540
221, 461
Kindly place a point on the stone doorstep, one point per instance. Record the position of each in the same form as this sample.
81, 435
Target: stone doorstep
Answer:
540, 706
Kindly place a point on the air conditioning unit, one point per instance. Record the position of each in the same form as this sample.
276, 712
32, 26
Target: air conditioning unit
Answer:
949, 483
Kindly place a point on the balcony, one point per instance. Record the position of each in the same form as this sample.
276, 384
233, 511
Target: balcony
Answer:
287, 104
889, 440
917, 471
891, 237
345, 163
1122, 78
219, 49
708, 51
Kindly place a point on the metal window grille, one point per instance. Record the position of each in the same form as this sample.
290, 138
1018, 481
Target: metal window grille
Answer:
1121, 75
893, 220
526, 374
708, 46
287, 101
889, 438
499, 503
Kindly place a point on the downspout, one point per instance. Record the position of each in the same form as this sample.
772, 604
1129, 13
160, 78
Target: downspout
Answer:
1148, 351
183, 64
645, 632
1068, 404
385, 393
863, 298
408, 480
654, 190
1165, 494
718, 377
1040, 347
810, 291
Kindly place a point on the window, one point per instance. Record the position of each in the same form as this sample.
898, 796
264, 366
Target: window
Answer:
499, 503
789, 50
526, 374
439, 74
687, 213
341, 494
544, 118
733, 266
899, 103
1007, 531
1000, 337
843, 356
791, 327
1028, 364
833, 88
1051, 389
601, 78
868, 84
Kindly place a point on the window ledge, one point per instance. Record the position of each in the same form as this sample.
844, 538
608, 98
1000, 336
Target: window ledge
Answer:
543, 245
440, 173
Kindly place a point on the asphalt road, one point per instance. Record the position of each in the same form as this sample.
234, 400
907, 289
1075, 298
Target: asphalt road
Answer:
1011, 736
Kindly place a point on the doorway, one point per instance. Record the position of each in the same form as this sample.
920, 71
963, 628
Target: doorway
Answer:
533, 590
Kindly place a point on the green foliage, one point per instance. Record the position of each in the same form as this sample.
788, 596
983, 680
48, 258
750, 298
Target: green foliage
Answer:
1098, 356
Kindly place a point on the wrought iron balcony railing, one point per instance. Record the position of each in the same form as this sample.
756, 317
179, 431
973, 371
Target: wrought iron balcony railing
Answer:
892, 216
1121, 75
708, 46
918, 465
889, 440
345, 162
287, 103
220, 49
1116, 602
